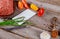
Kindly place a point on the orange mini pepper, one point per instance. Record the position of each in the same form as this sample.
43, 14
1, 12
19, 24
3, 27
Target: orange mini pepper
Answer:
20, 5
25, 4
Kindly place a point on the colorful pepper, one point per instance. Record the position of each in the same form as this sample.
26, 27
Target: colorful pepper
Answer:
25, 4
33, 7
20, 5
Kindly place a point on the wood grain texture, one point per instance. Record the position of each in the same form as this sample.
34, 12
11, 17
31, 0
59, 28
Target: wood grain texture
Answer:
33, 32
30, 32
54, 2
7, 35
52, 5
45, 21
47, 6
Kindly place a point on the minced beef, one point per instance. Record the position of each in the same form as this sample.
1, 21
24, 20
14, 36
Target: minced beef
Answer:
6, 7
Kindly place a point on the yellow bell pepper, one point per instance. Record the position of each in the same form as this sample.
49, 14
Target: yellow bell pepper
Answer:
33, 7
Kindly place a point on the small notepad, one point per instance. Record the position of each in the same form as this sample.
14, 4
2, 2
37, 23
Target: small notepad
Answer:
27, 14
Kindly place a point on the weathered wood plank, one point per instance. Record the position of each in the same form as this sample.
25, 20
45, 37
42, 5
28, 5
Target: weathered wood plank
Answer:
30, 32
7, 35
54, 2
40, 22
33, 32
45, 21
52, 5
47, 6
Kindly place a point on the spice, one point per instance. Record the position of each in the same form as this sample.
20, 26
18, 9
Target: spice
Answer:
33, 7
54, 33
40, 12
20, 5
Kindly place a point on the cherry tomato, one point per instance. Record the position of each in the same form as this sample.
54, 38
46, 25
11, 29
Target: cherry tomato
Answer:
41, 12
25, 4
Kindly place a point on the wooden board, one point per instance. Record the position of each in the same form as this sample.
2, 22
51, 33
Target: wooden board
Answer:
7, 35
54, 2
32, 32
45, 21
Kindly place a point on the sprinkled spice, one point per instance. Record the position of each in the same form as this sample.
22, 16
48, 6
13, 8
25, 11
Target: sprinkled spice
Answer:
54, 33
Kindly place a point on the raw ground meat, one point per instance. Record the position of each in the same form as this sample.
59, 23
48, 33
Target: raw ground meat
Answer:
6, 7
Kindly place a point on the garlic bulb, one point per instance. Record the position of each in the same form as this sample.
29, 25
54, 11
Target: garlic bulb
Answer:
45, 35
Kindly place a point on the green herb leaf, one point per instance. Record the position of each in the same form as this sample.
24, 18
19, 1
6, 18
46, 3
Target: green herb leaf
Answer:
15, 22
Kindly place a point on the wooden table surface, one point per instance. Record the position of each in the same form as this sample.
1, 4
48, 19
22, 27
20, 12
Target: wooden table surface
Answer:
31, 31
